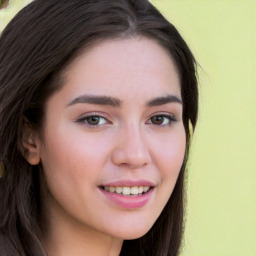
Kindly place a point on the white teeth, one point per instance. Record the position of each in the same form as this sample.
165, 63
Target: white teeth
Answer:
119, 190
126, 191
135, 190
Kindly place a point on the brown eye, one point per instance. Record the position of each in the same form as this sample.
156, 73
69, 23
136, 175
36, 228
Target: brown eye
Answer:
158, 120
162, 120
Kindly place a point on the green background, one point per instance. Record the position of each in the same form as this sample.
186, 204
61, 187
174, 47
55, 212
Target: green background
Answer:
221, 191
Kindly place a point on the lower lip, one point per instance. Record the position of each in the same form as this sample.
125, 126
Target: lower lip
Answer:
128, 201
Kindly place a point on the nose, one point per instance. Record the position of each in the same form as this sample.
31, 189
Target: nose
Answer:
131, 150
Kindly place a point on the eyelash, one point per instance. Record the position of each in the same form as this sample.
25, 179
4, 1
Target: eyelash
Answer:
170, 121
84, 120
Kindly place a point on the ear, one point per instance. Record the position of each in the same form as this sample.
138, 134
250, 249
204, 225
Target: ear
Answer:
30, 145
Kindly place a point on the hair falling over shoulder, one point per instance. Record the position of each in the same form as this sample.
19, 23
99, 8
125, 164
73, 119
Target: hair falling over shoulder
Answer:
35, 47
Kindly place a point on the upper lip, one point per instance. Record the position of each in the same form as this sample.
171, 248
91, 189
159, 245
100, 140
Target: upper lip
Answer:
129, 183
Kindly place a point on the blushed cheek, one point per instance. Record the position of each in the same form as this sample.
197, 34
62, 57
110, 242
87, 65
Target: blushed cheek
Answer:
88, 153
80, 161
173, 155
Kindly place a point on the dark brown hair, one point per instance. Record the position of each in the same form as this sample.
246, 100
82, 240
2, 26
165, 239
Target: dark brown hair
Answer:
35, 47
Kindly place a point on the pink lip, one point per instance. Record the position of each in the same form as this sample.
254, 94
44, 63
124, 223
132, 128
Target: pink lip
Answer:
129, 183
128, 201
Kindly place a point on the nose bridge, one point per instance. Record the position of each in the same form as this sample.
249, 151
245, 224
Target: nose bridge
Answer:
131, 148
135, 140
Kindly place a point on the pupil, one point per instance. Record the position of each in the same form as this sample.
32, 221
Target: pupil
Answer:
157, 120
93, 120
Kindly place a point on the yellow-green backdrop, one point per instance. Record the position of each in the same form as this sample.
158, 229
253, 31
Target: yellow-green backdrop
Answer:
221, 201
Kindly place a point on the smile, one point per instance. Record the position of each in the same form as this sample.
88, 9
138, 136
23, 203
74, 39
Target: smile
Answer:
128, 196
127, 191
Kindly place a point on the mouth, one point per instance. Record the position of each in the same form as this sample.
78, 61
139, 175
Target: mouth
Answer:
132, 191
128, 194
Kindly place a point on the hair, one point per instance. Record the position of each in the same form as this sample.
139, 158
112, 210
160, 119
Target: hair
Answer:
35, 47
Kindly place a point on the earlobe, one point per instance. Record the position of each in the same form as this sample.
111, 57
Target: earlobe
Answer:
30, 145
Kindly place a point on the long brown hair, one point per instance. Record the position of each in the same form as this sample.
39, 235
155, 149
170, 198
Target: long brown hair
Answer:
35, 47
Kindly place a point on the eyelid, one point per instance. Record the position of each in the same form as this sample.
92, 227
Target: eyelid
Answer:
81, 119
93, 113
171, 118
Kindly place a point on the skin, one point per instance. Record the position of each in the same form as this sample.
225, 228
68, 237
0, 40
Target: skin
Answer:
128, 143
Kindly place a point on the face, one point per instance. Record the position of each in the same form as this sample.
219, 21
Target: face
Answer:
113, 140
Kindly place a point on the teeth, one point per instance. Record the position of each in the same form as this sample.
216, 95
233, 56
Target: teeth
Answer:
112, 189
135, 190
145, 189
126, 191
119, 190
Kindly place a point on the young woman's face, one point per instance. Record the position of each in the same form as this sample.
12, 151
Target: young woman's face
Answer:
113, 139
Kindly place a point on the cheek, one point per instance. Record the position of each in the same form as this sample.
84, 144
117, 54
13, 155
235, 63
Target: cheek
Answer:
70, 171
74, 158
170, 151
173, 156
169, 159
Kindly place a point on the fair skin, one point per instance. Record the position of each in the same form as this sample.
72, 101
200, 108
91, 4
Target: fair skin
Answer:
133, 137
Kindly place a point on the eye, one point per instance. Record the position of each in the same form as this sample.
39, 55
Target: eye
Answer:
93, 120
161, 120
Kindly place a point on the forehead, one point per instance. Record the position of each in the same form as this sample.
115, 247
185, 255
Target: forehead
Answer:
121, 67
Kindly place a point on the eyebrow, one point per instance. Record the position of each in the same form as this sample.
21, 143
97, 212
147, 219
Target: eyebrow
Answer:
163, 100
98, 100
115, 102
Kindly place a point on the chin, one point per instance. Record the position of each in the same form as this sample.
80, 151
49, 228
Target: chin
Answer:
131, 232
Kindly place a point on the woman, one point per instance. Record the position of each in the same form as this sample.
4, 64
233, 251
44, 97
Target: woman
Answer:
96, 103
